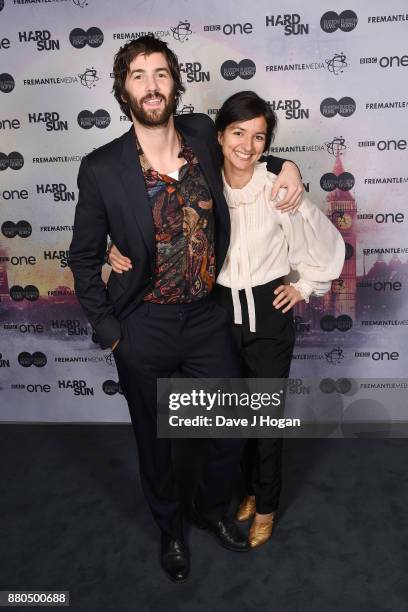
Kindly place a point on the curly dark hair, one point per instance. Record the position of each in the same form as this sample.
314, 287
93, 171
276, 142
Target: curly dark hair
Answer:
126, 54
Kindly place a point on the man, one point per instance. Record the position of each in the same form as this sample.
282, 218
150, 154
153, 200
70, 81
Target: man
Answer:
157, 192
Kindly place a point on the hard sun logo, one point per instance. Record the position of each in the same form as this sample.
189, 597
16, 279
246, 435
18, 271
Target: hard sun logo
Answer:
79, 387
194, 72
61, 256
290, 22
51, 120
292, 108
71, 326
58, 190
42, 38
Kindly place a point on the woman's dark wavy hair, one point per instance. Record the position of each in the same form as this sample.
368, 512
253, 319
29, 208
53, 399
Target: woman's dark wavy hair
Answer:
126, 54
243, 106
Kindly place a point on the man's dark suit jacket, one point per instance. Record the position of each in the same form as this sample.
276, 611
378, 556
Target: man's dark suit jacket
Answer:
113, 201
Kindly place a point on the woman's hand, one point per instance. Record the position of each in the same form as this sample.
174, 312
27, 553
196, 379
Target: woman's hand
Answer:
289, 178
118, 262
286, 294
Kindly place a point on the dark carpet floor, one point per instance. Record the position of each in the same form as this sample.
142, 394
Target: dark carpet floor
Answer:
73, 518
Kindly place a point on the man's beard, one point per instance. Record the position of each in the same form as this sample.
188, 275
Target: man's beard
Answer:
155, 117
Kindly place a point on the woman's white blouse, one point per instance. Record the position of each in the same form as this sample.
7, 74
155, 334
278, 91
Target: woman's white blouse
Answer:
266, 244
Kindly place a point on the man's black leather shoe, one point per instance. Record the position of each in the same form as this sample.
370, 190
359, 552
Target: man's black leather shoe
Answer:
175, 558
224, 530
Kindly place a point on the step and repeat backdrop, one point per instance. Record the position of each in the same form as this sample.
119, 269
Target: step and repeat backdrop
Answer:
337, 81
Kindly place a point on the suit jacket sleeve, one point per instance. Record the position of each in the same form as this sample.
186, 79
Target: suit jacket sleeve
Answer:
274, 164
87, 255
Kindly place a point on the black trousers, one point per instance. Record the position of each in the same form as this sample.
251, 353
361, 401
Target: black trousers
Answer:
156, 341
266, 353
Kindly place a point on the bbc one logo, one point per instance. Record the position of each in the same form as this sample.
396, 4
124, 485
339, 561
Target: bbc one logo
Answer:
194, 72
290, 22
330, 107
100, 119
9, 229
230, 28
51, 121
245, 69
332, 21
7, 83
14, 161
79, 38
387, 61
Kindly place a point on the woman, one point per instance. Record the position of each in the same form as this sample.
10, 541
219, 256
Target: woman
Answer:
265, 246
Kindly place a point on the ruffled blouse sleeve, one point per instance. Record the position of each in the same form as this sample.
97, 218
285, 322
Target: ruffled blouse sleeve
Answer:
316, 249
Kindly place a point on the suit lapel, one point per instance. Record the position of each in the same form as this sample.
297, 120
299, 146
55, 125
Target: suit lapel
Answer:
133, 181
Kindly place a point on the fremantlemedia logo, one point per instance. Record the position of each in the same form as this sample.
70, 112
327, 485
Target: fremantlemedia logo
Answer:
332, 21
111, 387
337, 64
14, 161
336, 146
10, 229
230, 70
335, 356
342, 323
6, 82
88, 78
36, 359
79, 38
182, 31
100, 119
29, 292
344, 107
344, 181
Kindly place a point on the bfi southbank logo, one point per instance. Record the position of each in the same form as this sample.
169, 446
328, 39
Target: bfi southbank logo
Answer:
50, 120
42, 38
194, 72
290, 23
58, 191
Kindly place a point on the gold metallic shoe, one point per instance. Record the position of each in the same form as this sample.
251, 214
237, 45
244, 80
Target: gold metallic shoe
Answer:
246, 509
260, 533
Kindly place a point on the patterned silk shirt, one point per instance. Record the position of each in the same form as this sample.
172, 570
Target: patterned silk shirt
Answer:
183, 218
